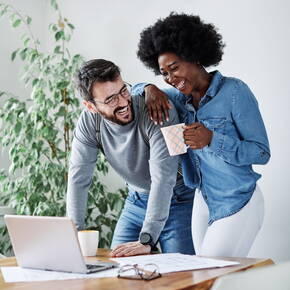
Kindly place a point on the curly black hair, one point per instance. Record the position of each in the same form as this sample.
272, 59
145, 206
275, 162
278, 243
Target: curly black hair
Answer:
187, 36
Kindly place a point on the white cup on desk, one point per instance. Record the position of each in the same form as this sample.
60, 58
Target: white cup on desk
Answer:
89, 240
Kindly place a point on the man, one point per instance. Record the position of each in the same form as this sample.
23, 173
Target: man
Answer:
155, 210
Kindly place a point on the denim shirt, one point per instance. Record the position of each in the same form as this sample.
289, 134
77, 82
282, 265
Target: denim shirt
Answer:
223, 169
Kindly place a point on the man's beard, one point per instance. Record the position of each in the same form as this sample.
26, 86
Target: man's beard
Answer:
113, 118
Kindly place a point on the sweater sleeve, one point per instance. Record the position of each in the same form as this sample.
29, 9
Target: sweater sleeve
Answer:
163, 171
81, 167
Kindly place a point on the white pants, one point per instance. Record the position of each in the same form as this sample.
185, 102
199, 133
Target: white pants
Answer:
231, 236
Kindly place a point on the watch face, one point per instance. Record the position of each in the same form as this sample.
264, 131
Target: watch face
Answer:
145, 238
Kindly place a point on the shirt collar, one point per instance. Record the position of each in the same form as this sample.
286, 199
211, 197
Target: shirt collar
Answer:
215, 83
213, 87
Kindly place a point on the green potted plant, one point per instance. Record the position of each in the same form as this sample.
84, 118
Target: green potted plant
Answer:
38, 132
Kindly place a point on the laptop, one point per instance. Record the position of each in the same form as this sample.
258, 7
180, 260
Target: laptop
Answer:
49, 243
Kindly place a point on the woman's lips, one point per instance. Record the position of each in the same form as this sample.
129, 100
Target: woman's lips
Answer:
181, 85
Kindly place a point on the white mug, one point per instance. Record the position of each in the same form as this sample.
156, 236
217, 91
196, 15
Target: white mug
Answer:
89, 241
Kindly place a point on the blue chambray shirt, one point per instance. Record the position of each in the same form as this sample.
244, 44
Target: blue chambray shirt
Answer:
223, 170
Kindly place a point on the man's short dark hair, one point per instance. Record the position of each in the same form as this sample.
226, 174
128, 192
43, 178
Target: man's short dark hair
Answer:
95, 70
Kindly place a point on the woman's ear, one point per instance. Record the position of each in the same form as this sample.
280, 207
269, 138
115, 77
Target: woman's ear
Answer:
90, 106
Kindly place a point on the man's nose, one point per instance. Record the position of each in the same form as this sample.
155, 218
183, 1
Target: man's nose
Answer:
123, 101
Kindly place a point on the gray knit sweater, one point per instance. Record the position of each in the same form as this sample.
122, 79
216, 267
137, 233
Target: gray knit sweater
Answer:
146, 169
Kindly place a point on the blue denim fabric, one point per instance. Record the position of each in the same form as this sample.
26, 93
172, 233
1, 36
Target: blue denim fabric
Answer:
176, 235
223, 170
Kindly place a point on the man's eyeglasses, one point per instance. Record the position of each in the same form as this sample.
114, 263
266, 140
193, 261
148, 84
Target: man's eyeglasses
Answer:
146, 272
113, 100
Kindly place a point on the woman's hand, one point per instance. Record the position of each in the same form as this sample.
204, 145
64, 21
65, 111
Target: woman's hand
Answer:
157, 104
196, 136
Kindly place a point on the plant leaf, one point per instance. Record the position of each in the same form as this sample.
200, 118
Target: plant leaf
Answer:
59, 35
17, 128
26, 41
35, 82
23, 53
28, 20
71, 26
54, 4
57, 49
16, 23
13, 54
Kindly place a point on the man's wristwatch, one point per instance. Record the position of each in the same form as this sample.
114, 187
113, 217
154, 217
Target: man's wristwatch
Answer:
146, 239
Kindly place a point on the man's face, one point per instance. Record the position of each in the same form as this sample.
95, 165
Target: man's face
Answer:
112, 101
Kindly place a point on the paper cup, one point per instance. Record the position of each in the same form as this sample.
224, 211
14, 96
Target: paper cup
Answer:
173, 136
89, 241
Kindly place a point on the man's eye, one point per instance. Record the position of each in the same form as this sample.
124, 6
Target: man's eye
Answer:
109, 100
175, 68
124, 91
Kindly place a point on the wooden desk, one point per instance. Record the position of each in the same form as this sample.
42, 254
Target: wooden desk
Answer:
197, 279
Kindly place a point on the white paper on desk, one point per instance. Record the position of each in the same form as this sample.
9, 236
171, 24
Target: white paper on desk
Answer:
166, 262
18, 274
176, 262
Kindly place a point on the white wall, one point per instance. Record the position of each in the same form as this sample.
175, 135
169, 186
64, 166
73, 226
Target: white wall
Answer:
257, 37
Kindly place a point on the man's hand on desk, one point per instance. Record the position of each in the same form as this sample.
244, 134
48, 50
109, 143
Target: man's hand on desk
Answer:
130, 249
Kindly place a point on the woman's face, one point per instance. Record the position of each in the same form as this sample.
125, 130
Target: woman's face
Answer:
184, 76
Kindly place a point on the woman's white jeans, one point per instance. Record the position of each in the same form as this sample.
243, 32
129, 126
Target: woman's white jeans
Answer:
231, 236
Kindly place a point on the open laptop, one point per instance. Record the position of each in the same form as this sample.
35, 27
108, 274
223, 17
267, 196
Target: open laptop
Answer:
49, 243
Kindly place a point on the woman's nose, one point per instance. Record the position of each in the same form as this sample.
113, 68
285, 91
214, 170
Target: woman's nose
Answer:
170, 77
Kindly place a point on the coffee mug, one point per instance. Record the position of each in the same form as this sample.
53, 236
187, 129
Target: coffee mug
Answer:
89, 241
173, 136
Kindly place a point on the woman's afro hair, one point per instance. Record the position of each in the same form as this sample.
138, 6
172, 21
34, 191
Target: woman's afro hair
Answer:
187, 36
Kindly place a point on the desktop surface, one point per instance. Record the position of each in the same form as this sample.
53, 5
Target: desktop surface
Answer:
197, 279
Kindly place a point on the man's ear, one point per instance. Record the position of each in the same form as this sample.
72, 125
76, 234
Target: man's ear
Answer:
90, 106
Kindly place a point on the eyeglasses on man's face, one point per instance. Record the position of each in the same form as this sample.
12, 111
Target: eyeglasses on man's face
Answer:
145, 272
113, 100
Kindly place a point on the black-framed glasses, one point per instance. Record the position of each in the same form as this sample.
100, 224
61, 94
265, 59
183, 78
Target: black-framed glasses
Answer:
113, 100
145, 272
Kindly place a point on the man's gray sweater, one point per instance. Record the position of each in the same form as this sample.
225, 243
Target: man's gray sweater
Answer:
146, 169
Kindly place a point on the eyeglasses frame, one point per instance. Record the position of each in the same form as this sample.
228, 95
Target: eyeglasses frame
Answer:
115, 96
138, 272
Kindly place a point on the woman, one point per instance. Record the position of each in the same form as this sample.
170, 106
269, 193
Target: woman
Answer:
224, 131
